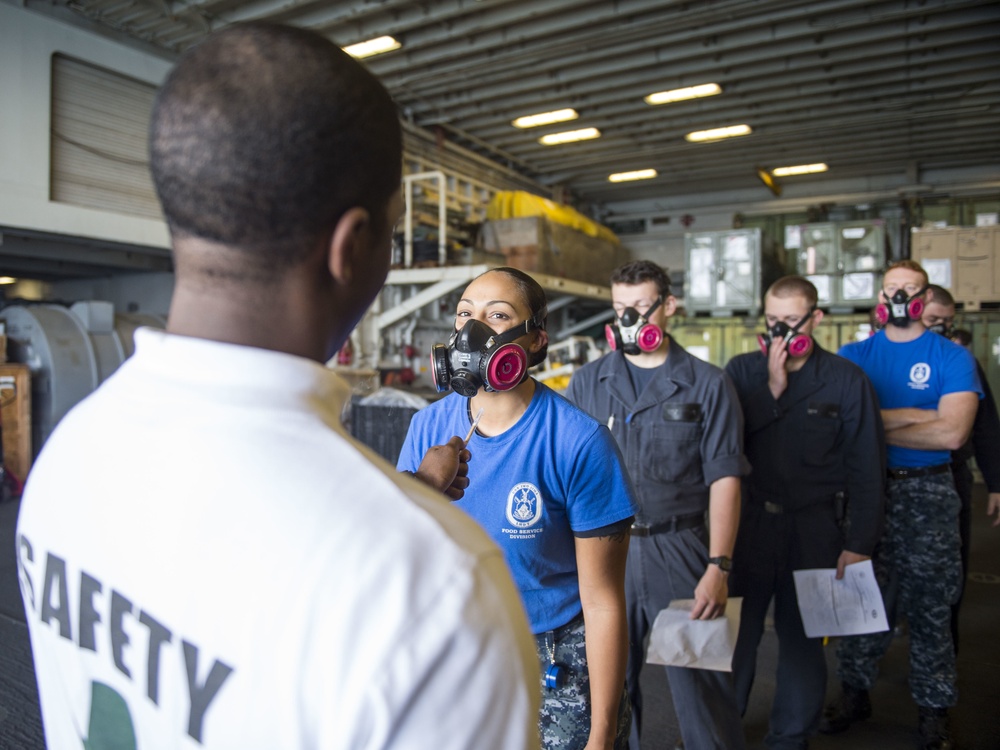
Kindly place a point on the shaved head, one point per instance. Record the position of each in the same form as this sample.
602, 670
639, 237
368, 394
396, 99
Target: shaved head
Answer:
262, 137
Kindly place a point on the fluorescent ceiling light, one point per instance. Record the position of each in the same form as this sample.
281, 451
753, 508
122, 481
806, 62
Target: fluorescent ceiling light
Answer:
639, 174
7, 280
680, 95
372, 47
570, 136
545, 118
717, 134
800, 169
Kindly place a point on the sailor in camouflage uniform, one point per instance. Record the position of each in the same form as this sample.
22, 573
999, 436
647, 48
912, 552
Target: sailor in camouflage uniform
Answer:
929, 393
564, 714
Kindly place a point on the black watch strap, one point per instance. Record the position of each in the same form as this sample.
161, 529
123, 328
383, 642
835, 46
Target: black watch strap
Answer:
724, 563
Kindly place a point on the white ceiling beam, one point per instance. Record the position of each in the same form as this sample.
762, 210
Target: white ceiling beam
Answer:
567, 79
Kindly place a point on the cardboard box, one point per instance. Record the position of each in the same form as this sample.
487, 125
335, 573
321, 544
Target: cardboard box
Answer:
962, 260
937, 251
975, 266
994, 233
536, 244
15, 418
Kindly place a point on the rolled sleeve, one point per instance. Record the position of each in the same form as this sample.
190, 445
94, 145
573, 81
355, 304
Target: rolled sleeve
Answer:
722, 443
725, 466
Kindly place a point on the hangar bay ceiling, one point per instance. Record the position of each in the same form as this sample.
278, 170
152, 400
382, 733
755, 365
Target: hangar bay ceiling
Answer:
875, 90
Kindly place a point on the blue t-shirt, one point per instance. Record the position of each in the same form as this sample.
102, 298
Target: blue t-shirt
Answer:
554, 472
914, 374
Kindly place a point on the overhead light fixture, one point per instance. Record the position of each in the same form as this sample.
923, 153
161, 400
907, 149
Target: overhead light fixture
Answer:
768, 179
639, 174
680, 95
7, 280
717, 134
569, 136
372, 47
545, 118
799, 169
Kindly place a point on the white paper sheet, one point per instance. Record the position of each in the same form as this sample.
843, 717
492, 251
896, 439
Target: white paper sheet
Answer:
678, 641
850, 606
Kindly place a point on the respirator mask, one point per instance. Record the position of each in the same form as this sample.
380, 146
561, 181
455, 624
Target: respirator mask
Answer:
901, 309
942, 328
633, 333
478, 357
796, 344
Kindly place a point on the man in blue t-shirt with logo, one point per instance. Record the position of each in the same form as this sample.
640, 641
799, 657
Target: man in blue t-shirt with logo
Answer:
928, 392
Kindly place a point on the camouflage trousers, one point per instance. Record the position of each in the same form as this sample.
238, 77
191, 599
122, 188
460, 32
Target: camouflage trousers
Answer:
564, 719
919, 570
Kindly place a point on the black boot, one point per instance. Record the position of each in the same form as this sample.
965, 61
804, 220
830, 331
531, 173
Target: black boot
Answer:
935, 729
852, 705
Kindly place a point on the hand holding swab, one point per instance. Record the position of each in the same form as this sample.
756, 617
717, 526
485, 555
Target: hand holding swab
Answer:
475, 422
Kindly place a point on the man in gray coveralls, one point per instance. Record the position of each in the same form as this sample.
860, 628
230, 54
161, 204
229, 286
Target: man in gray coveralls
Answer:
679, 425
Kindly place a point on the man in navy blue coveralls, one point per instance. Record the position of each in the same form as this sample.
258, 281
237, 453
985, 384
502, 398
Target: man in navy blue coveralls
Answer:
984, 444
814, 439
678, 422
928, 392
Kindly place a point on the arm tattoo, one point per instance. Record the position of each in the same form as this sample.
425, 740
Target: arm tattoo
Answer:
618, 537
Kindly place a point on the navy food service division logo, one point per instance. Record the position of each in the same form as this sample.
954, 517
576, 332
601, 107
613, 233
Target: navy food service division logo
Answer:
524, 505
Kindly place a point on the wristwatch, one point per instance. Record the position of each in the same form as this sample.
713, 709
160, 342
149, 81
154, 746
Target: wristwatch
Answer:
725, 564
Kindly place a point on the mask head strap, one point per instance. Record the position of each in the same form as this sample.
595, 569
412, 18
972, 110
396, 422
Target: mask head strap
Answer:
916, 294
534, 323
805, 319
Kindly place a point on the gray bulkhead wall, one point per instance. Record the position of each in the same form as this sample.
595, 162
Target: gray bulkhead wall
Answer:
28, 42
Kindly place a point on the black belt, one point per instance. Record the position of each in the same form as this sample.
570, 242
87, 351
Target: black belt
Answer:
677, 523
778, 509
918, 471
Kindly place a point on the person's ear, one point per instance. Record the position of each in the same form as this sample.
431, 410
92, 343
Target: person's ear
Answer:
669, 306
541, 339
928, 295
349, 245
817, 317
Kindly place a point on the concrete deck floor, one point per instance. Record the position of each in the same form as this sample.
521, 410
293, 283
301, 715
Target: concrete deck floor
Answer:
892, 726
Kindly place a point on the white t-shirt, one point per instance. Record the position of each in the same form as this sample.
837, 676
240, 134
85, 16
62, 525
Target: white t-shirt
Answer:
208, 560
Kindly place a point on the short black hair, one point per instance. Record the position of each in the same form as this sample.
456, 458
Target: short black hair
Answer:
940, 295
641, 271
534, 297
264, 135
962, 336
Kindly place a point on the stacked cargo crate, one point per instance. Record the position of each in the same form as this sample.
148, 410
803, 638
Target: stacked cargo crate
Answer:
963, 261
